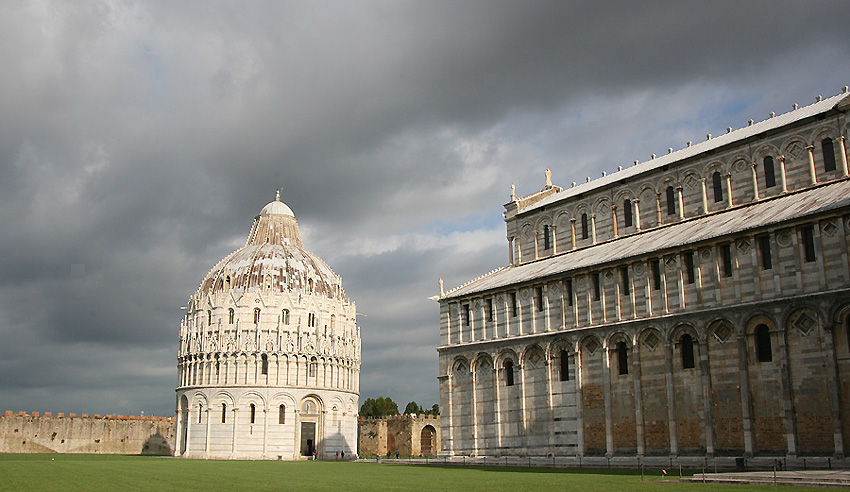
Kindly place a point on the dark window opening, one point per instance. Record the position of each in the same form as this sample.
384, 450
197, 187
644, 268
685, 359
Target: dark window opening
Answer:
656, 274
764, 353
546, 240
569, 291
489, 308
565, 366
595, 278
256, 315
717, 184
686, 342
230, 315
627, 213
828, 154
584, 233
264, 366
622, 358
671, 201
689, 266
726, 258
209, 318
509, 373
809, 243
466, 314
281, 414
624, 278
200, 411
764, 249
314, 367
513, 305
224, 413
538, 298
253, 413
769, 174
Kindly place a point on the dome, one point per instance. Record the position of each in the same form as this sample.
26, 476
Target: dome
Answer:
277, 207
274, 259
271, 333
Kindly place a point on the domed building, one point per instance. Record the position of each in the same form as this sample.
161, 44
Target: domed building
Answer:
269, 359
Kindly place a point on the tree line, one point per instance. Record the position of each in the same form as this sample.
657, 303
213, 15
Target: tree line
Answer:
385, 406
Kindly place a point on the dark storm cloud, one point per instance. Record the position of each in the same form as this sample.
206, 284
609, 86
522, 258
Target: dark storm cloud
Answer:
139, 139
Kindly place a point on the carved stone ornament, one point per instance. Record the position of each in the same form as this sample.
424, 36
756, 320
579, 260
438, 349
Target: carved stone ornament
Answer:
794, 149
829, 228
784, 239
591, 346
804, 322
741, 166
638, 269
705, 254
525, 293
743, 245
609, 277
691, 181
651, 341
722, 333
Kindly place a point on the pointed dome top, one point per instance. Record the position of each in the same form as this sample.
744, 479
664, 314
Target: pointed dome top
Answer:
277, 207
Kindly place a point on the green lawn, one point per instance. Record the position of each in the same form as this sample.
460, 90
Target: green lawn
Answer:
115, 473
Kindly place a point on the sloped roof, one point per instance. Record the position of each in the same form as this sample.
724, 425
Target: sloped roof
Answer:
770, 211
719, 141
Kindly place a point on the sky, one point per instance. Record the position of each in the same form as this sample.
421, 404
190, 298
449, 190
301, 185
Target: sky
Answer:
138, 141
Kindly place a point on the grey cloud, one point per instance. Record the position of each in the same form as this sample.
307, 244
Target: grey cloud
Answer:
139, 139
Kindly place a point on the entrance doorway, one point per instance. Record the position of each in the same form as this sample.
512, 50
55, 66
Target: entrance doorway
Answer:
308, 438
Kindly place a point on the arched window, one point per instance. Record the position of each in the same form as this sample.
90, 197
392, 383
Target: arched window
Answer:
264, 366
253, 413
310, 285
200, 411
230, 315
224, 413
285, 317
622, 358
314, 364
584, 233
227, 282
333, 318
717, 184
509, 373
828, 154
546, 237
686, 342
209, 317
671, 201
565, 366
769, 174
764, 352
281, 414
256, 316
627, 213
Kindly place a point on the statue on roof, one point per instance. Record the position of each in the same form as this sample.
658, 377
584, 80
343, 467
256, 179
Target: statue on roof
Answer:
548, 177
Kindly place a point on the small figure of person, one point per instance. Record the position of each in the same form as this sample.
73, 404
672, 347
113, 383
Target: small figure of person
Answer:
396, 454
315, 455
342, 454
337, 455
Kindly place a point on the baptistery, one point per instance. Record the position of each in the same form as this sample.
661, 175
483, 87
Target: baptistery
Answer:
269, 357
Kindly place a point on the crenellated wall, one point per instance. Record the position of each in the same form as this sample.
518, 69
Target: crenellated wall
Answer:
109, 434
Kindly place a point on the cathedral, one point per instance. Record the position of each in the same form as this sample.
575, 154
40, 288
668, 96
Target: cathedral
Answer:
269, 357
697, 303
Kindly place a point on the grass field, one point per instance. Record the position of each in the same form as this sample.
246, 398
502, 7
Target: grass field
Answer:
69, 473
